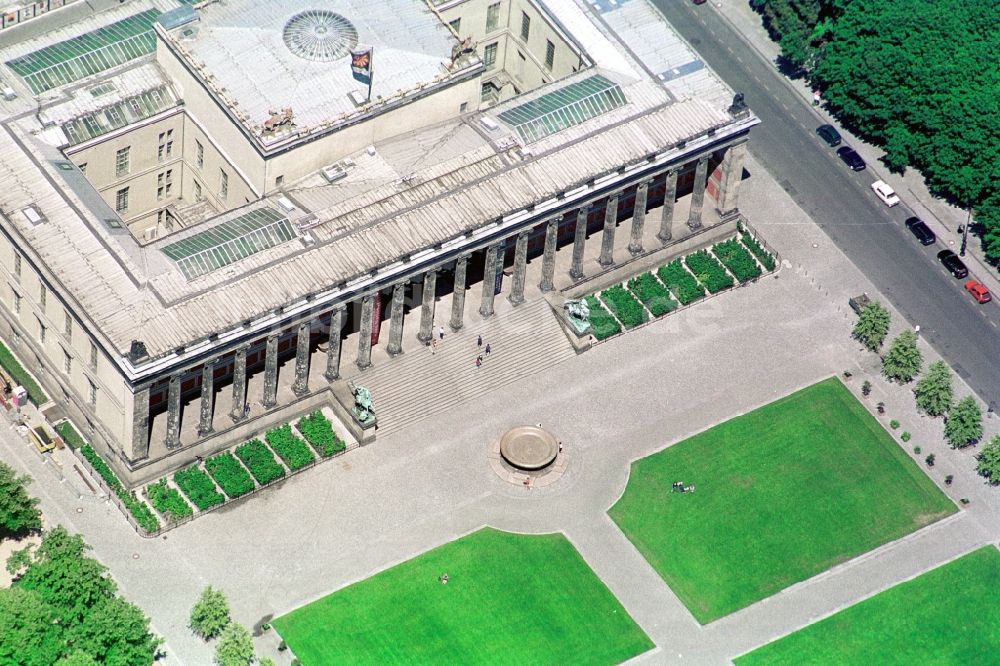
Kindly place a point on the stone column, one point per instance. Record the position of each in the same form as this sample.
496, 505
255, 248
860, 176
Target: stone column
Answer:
270, 397
520, 264
426, 331
458, 295
638, 218
301, 384
207, 397
698, 194
579, 242
174, 412
140, 424
666, 232
608, 239
237, 412
395, 345
549, 256
732, 174
365, 339
489, 282
333, 345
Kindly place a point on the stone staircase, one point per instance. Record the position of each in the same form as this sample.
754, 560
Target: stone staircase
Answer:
418, 384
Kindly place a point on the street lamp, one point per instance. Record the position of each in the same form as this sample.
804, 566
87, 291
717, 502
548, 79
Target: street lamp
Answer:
965, 232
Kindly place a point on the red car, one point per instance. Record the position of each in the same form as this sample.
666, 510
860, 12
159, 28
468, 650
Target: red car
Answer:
978, 291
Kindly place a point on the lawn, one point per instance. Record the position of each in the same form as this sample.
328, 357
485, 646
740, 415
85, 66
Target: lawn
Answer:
946, 616
782, 494
510, 599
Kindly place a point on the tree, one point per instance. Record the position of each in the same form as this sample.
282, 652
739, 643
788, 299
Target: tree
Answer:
872, 326
235, 647
29, 634
964, 425
78, 658
210, 614
18, 510
989, 460
116, 633
933, 392
902, 361
265, 661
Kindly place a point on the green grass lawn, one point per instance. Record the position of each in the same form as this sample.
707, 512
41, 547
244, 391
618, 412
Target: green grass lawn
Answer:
946, 616
782, 493
510, 599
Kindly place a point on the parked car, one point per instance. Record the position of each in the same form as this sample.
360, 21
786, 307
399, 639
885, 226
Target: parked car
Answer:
885, 192
829, 134
920, 229
851, 158
978, 291
953, 264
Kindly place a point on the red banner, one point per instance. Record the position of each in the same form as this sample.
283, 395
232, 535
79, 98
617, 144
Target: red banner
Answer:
376, 316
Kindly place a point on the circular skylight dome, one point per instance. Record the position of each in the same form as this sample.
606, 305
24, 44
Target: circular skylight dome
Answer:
320, 35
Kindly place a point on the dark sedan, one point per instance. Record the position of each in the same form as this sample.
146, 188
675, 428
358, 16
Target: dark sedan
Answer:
829, 134
920, 229
953, 264
851, 158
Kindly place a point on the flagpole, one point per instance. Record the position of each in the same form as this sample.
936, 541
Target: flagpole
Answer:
371, 71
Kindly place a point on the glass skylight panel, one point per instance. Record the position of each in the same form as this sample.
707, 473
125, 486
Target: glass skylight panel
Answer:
570, 105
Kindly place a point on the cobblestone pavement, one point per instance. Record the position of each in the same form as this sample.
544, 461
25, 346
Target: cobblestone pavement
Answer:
426, 484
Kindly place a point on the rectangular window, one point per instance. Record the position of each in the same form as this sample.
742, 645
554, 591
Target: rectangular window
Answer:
170, 181
279, 181
122, 159
199, 154
492, 17
41, 331
17, 302
456, 25
550, 54
92, 393
490, 56
93, 355
83, 168
160, 216
121, 200
17, 265
68, 328
525, 26
197, 191
67, 362
165, 147
223, 184
43, 297
159, 186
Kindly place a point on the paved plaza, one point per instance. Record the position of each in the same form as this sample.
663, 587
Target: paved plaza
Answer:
424, 484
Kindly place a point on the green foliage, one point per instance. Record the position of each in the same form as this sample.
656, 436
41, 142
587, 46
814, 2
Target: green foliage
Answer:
933, 392
210, 614
624, 306
602, 323
229, 474
292, 449
139, 510
894, 424
102, 469
709, 272
29, 635
168, 501
988, 464
653, 294
116, 633
964, 425
77, 658
903, 360
265, 661
70, 435
198, 487
763, 256
799, 26
20, 376
235, 647
318, 431
905, 436
18, 510
681, 283
260, 461
737, 259
872, 326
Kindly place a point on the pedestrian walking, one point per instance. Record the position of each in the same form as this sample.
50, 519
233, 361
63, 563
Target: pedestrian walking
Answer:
479, 341
488, 350
479, 361
441, 332
434, 346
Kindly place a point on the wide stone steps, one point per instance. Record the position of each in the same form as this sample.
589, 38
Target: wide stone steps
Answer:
419, 384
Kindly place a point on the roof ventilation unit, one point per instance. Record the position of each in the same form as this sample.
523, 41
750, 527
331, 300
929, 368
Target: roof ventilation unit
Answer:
489, 124
31, 214
285, 204
334, 172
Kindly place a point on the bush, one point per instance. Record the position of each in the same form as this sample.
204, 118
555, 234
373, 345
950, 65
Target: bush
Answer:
894, 424
139, 510
624, 306
292, 449
260, 461
70, 435
965, 423
210, 614
229, 474
736, 258
317, 430
101, 467
866, 388
930, 460
653, 294
905, 436
602, 323
988, 464
681, 283
20, 376
763, 256
168, 501
708, 271
198, 487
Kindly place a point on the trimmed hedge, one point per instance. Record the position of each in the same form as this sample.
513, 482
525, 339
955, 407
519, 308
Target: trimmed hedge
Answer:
292, 449
708, 271
260, 461
653, 294
229, 474
737, 259
142, 513
602, 323
318, 431
624, 306
681, 283
763, 256
198, 487
69, 434
35, 393
168, 501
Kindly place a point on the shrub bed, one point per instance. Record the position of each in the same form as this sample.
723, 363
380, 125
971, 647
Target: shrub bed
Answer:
260, 461
763, 256
318, 431
229, 474
20, 376
737, 259
623, 304
708, 271
602, 323
199, 488
139, 510
70, 435
292, 449
653, 294
168, 501
681, 283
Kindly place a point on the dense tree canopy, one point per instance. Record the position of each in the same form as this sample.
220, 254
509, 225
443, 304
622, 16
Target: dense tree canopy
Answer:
18, 510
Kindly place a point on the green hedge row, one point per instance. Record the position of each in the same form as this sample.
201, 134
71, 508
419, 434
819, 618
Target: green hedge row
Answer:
73, 439
708, 271
602, 323
763, 256
227, 471
198, 487
653, 294
21, 376
681, 283
318, 431
168, 501
260, 461
737, 259
142, 513
292, 449
624, 306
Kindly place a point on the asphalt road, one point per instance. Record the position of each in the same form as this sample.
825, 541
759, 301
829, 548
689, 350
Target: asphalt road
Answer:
841, 202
